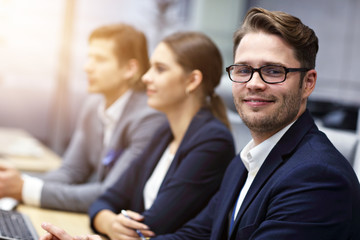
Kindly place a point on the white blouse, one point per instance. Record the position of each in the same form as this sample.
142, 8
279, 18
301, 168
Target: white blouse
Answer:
153, 184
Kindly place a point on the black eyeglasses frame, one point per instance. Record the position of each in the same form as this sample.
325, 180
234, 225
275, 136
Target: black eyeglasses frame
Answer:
258, 70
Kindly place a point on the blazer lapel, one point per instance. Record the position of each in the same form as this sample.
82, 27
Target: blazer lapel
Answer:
116, 141
286, 145
197, 122
158, 146
230, 194
264, 173
119, 141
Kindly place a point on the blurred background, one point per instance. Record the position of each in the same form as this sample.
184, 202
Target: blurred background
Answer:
43, 46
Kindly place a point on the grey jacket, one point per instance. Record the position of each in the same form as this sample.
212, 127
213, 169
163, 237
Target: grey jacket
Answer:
83, 176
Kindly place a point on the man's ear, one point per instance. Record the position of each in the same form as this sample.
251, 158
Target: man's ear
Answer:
131, 68
195, 79
309, 83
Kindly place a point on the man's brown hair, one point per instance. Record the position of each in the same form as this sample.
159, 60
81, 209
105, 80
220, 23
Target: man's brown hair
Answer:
129, 43
288, 27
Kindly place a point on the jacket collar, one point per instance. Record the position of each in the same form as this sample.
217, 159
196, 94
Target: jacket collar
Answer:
203, 116
164, 136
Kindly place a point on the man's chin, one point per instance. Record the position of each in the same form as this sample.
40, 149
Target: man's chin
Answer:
254, 119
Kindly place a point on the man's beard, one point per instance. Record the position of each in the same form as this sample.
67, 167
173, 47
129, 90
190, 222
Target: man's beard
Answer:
278, 119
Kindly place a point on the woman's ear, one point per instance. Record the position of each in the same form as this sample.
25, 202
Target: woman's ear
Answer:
194, 81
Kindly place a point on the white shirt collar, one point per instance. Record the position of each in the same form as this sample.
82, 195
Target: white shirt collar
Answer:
113, 113
110, 116
254, 156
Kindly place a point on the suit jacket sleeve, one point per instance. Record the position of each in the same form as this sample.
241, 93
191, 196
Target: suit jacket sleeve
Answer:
76, 164
200, 227
77, 183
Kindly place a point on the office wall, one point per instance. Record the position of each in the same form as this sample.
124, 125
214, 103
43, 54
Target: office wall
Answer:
43, 46
29, 42
219, 20
336, 24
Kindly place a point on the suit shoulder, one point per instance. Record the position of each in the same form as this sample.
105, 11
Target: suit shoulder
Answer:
89, 108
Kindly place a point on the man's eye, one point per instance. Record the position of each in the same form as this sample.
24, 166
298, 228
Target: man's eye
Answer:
273, 71
242, 71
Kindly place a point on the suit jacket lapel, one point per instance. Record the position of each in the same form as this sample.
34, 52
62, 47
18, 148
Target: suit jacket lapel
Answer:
286, 145
231, 193
159, 143
116, 141
197, 122
264, 173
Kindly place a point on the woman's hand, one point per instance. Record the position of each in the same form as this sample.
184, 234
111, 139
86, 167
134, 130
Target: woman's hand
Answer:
56, 233
124, 227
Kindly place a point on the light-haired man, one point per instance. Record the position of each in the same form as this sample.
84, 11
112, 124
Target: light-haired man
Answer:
114, 127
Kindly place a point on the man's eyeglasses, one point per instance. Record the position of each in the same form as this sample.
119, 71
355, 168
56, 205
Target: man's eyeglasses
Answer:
271, 74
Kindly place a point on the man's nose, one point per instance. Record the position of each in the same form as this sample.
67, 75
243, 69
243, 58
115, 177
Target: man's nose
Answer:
256, 81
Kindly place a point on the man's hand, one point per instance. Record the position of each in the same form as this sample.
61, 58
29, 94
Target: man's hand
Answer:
56, 233
11, 183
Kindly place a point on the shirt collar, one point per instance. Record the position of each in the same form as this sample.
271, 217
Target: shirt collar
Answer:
254, 156
113, 112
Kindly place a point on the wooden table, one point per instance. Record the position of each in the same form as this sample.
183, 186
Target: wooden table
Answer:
20, 149
27, 154
75, 224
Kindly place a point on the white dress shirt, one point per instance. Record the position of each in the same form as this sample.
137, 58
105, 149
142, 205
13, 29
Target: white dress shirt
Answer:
111, 115
253, 157
31, 191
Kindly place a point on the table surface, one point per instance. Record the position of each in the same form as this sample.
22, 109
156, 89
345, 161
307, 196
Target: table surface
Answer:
20, 149
75, 224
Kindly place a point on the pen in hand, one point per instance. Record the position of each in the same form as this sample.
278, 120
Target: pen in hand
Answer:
123, 212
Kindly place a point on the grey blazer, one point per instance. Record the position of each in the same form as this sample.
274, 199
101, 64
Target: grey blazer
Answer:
83, 176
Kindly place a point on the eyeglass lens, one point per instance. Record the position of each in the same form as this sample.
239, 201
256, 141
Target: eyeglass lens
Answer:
271, 74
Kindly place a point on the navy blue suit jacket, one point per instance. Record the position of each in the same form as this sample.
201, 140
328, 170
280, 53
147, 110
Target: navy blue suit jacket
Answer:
304, 190
194, 175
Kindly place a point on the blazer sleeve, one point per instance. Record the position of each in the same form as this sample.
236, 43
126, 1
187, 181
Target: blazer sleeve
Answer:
201, 226
78, 194
196, 179
198, 228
